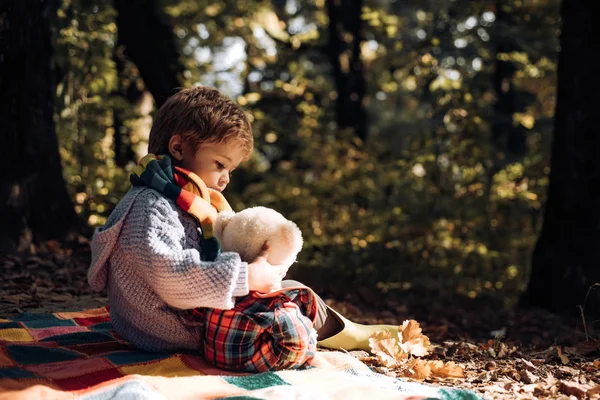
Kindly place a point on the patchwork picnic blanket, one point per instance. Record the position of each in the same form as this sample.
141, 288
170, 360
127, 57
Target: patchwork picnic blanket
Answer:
77, 355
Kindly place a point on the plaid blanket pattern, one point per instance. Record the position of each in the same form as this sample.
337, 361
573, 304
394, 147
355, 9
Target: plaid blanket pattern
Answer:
263, 332
77, 355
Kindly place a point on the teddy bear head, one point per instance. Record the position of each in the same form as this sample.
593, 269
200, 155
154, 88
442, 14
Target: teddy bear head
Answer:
245, 232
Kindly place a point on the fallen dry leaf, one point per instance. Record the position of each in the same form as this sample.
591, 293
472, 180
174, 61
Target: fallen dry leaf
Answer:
502, 350
550, 379
527, 364
446, 370
564, 359
594, 391
385, 347
417, 369
412, 341
528, 377
391, 353
409, 330
572, 389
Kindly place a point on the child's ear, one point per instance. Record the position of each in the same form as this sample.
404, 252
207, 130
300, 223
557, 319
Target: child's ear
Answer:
292, 235
221, 222
176, 147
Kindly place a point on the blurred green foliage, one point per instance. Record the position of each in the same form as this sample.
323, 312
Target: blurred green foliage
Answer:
431, 200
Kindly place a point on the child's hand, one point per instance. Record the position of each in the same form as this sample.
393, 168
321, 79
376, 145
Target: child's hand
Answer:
262, 276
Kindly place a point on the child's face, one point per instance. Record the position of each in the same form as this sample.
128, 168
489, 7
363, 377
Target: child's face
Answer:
213, 163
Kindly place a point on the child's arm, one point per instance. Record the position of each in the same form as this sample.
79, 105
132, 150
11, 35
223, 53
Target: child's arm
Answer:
153, 237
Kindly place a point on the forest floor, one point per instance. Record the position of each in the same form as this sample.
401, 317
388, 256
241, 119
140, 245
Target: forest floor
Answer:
505, 354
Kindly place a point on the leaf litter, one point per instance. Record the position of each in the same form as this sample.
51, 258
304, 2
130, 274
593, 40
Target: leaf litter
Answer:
402, 355
520, 363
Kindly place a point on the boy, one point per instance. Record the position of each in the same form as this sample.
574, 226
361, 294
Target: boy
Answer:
153, 255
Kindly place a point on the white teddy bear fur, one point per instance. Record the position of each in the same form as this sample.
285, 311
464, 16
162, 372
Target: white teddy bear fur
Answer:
246, 231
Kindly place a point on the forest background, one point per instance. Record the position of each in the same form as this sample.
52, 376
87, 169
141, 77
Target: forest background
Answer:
409, 140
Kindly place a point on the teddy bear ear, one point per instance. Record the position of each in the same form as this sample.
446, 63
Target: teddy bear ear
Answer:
221, 222
292, 235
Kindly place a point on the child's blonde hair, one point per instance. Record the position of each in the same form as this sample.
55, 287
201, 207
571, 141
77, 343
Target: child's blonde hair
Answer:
201, 115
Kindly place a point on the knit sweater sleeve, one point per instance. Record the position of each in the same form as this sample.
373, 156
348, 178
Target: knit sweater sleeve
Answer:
153, 236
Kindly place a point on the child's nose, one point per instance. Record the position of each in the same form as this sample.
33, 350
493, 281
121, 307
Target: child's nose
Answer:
225, 177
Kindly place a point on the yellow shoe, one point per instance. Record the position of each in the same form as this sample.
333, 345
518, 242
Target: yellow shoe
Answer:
353, 336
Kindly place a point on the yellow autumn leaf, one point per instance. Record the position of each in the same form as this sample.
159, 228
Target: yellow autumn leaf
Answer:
446, 370
409, 330
417, 369
412, 341
385, 347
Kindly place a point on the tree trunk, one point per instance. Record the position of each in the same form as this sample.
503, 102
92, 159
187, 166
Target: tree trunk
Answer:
566, 259
149, 42
345, 37
123, 95
508, 137
34, 203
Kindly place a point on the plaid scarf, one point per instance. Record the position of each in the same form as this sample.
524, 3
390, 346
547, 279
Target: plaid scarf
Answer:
189, 192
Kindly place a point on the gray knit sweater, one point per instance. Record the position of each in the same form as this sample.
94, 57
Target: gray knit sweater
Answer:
148, 257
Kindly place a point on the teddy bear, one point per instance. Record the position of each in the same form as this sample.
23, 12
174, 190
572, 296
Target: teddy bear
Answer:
246, 231
263, 331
